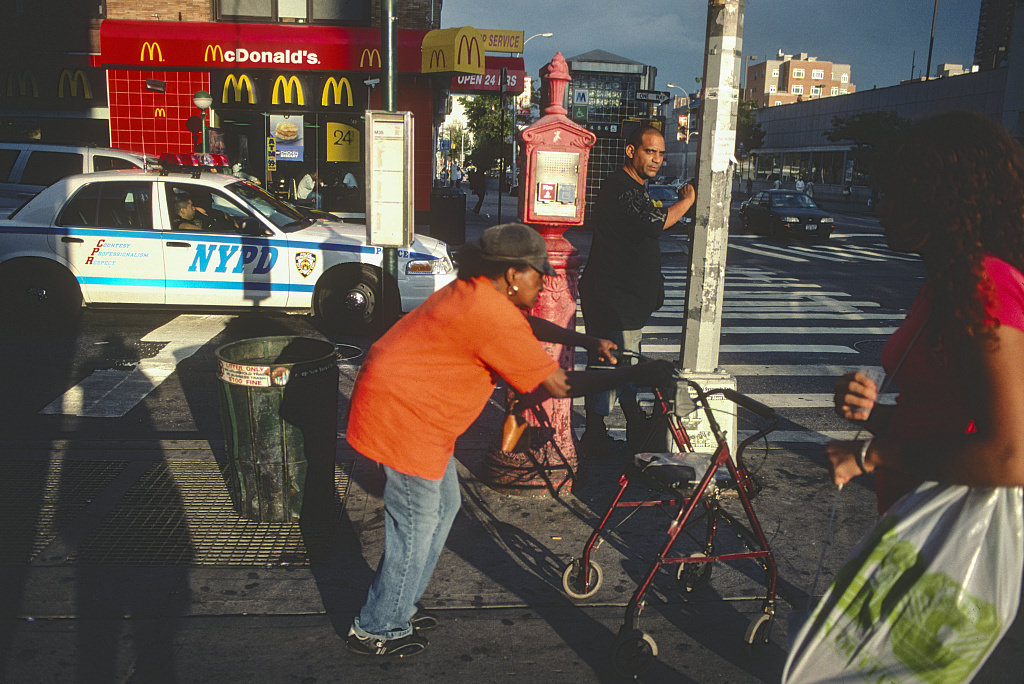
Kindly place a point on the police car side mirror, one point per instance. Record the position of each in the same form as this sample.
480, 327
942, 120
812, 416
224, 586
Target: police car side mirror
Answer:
252, 226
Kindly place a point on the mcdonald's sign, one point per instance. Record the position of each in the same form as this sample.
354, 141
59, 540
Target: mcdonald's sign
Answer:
22, 85
469, 45
336, 85
159, 112
454, 49
72, 80
286, 84
242, 81
369, 57
213, 53
152, 49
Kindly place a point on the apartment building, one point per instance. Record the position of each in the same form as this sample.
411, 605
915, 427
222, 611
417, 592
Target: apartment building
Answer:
795, 78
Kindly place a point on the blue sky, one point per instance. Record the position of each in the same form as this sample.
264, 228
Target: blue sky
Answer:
878, 38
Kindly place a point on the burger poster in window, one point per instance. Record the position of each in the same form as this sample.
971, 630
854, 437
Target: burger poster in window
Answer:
287, 131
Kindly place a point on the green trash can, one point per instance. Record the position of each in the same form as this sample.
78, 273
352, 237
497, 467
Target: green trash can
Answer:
448, 217
279, 409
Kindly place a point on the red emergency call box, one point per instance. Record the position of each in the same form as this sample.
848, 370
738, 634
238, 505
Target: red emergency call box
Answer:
553, 161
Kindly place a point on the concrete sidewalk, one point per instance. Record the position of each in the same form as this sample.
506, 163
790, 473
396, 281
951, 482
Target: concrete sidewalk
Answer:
124, 562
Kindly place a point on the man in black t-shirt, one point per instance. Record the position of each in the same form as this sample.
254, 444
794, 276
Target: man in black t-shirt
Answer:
622, 285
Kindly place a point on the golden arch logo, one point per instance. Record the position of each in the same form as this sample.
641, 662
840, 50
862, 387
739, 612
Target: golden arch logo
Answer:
470, 45
160, 112
369, 57
437, 60
242, 81
286, 85
336, 85
213, 53
71, 80
22, 85
151, 49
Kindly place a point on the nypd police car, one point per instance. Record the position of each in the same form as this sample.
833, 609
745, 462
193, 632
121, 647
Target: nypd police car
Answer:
204, 240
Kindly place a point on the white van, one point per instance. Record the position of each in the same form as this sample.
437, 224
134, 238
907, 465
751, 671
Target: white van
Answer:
26, 168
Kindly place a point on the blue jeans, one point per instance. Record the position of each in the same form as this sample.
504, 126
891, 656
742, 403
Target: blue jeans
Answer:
418, 514
601, 403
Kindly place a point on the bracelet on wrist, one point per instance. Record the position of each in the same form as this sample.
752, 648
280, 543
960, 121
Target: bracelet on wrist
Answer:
863, 454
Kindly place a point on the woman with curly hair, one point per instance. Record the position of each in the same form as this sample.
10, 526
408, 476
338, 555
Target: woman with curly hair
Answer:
953, 192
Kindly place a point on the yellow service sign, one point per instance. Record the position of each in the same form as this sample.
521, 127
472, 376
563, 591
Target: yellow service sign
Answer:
343, 143
501, 41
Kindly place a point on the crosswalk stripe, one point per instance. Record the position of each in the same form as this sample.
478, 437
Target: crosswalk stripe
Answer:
784, 401
770, 330
762, 252
759, 349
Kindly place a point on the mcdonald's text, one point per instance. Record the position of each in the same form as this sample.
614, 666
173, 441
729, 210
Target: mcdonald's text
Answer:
243, 56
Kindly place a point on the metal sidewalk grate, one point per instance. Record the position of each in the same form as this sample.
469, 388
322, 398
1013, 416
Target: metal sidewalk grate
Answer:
41, 497
180, 513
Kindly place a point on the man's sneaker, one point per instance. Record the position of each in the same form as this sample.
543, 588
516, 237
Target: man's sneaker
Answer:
423, 620
402, 648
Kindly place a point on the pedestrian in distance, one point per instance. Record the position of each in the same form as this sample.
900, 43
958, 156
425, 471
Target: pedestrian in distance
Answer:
809, 188
402, 418
621, 285
800, 186
960, 414
478, 186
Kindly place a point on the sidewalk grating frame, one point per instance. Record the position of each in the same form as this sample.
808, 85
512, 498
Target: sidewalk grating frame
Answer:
180, 513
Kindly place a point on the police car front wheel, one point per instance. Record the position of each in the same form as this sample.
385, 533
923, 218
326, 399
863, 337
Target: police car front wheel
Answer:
347, 301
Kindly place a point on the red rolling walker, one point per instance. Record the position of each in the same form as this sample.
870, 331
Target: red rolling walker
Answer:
693, 480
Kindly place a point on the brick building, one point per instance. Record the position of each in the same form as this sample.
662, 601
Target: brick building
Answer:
795, 78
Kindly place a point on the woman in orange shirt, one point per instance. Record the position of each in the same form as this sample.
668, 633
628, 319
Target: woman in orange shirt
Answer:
406, 418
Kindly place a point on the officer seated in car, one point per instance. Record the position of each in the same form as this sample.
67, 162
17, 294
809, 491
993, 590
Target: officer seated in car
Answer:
187, 216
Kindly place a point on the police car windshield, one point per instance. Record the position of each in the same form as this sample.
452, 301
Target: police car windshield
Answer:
277, 212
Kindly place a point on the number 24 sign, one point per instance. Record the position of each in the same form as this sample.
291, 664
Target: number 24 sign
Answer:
343, 143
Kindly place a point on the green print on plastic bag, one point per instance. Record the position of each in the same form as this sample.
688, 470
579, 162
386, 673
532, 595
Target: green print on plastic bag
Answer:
936, 629
936, 609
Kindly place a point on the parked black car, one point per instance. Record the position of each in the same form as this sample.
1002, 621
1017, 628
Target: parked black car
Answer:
786, 212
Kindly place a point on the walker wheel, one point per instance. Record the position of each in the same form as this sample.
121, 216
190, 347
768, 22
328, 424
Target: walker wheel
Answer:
573, 583
759, 630
693, 575
634, 653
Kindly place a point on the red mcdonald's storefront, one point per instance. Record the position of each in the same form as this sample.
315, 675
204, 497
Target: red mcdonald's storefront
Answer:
303, 86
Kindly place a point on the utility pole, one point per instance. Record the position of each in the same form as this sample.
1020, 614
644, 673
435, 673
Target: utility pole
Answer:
705, 285
931, 42
388, 45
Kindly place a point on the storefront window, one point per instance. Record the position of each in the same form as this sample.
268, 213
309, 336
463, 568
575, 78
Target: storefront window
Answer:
313, 11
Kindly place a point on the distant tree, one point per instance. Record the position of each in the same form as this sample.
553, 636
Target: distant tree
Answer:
749, 133
484, 120
870, 133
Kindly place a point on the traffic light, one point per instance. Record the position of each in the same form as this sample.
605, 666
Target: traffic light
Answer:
684, 124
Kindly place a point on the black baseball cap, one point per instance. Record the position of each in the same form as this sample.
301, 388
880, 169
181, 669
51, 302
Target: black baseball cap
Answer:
516, 243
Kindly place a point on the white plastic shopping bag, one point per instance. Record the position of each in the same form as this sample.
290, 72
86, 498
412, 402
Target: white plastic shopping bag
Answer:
924, 597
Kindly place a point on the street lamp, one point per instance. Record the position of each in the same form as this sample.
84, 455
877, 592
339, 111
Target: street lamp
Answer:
743, 73
686, 133
203, 100
536, 35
